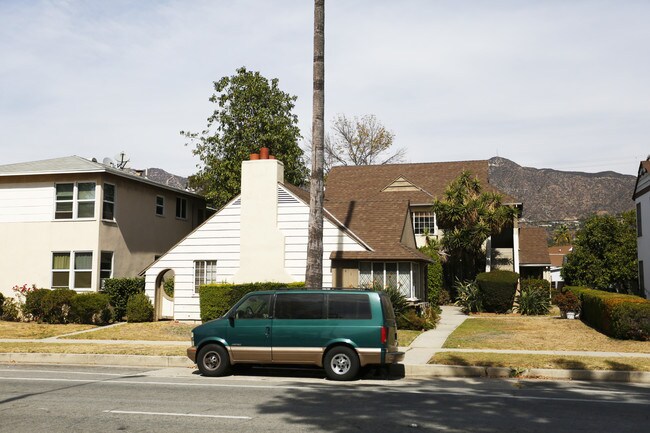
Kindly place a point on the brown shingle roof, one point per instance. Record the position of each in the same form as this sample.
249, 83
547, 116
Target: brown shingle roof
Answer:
557, 253
533, 246
348, 183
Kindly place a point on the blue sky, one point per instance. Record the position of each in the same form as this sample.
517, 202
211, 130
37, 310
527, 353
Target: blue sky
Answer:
547, 84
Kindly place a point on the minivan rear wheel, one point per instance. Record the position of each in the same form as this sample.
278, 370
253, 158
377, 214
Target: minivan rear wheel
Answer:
213, 360
341, 363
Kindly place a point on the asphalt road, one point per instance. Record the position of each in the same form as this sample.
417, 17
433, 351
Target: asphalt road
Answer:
95, 399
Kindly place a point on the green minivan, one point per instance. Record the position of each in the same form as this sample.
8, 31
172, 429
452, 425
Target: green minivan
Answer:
340, 330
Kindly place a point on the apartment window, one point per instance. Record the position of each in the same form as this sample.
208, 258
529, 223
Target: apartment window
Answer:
639, 225
108, 209
63, 269
75, 201
205, 272
424, 222
181, 208
390, 274
60, 270
83, 265
105, 267
160, 205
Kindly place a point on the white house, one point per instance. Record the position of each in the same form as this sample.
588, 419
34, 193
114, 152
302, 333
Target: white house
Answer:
261, 235
642, 199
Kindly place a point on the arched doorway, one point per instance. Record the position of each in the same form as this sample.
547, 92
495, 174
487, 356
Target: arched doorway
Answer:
164, 297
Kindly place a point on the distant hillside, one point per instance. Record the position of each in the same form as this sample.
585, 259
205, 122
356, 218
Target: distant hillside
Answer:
161, 176
553, 196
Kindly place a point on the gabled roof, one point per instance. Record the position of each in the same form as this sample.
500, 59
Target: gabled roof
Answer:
419, 183
533, 246
76, 165
644, 168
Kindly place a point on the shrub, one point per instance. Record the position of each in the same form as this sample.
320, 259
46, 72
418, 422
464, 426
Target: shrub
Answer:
56, 305
10, 310
397, 298
168, 287
90, 308
33, 307
2, 300
468, 296
119, 290
216, 299
139, 308
533, 302
498, 290
617, 315
567, 301
418, 320
537, 284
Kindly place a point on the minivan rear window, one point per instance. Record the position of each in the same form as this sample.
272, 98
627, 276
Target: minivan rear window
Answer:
300, 306
351, 306
387, 306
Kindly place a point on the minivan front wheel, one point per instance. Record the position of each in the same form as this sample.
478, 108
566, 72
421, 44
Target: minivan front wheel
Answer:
213, 360
341, 363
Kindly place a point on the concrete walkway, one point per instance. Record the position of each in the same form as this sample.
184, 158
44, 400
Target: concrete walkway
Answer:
428, 343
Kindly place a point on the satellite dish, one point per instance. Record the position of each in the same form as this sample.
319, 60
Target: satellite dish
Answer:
121, 160
107, 161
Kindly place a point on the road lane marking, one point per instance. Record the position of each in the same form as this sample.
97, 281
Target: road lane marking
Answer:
194, 415
9, 370
465, 394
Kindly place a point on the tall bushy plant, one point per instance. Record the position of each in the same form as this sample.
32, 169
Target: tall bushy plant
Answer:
90, 308
56, 305
139, 308
119, 290
33, 307
498, 290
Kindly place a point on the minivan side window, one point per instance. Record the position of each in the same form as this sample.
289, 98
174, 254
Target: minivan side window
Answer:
299, 306
254, 307
349, 307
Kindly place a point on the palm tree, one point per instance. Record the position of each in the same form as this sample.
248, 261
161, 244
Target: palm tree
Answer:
562, 236
314, 270
468, 216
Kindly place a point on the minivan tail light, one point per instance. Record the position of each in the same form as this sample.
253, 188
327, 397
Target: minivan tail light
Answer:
384, 334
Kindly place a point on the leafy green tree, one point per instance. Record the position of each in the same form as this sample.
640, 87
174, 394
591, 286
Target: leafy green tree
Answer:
468, 216
252, 113
604, 254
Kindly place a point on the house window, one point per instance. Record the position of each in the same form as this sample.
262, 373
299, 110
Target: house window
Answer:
639, 225
641, 278
108, 210
105, 267
75, 201
181, 208
62, 269
160, 205
86, 200
205, 272
424, 222
83, 265
390, 274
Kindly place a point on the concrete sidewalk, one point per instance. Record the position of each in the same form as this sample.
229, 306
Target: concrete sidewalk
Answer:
430, 342
415, 364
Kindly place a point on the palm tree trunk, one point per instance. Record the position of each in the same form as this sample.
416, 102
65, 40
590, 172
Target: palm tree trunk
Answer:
314, 270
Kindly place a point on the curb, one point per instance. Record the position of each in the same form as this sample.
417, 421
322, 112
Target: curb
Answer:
96, 359
410, 371
434, 370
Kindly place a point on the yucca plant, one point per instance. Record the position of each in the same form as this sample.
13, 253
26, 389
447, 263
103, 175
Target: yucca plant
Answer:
469, 296
532, 302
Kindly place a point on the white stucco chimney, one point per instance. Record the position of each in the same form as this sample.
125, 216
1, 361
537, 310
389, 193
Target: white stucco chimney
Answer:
262, 242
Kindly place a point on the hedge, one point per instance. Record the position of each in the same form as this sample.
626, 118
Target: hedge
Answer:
626, 317
216, 299
497, 290
139, 309
90, 308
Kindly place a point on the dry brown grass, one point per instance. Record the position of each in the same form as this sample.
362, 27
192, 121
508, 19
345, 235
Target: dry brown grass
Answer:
151, 331
406, 337
37, 330
110, 349
536, 333
516, 361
